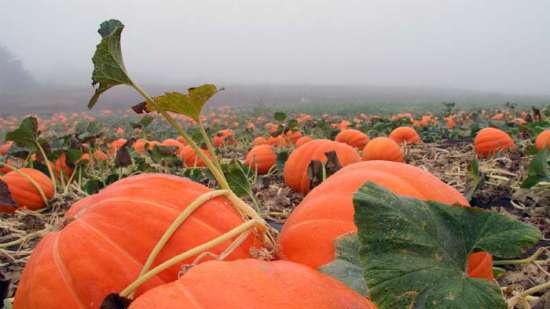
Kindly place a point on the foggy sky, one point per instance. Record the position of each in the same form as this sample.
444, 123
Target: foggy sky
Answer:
496, 45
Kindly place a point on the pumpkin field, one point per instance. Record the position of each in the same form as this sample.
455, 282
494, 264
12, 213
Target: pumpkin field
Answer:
173, 203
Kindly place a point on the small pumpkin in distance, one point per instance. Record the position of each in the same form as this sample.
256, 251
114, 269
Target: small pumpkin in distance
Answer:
302, 140
295, 170
250, 283
543, 140
383, 148
170, 142
24, 192
260, 140
191, 159
261, 158
490, 141
353, 137
405, 135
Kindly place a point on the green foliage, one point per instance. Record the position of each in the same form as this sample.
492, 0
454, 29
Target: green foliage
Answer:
415, 252
189, 104
26, 135
538, 170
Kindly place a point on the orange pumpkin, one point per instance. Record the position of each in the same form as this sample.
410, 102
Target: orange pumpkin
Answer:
170, 142
543, 140
100, 155
261, 158
4, 148
405, 135
353, 138
480, 265
383, 148
279, 141
190, 158
260, 140
140, 144
23, 191
293, 136
61, 166
109, 235
295, 171
489, 141
302, 140
116, 145
242, 285
327, 212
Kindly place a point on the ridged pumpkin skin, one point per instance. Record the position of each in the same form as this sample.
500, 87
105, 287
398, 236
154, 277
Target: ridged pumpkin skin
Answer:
382, 148
24, 193
543, 140
109, 236
405, 135
253, 284
303, 140
170, 142
490, 141
261, 158
352, 137
295, 171
327, 212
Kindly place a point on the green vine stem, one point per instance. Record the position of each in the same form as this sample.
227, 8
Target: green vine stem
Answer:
244, 227
29, 178
48, 165
528, 260
209, 145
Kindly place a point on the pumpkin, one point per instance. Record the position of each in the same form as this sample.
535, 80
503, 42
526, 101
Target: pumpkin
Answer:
141, 144
326, 212
62, 167
116, 145
4, 148
260, 140
302, 140
480, 265
489, 141
100, 155
383, 148
170, 142
247, 284
109, 235
353, 138
543, 140
279, 141
24, 192
295, 171
293, 136
261, 158
190, 158
405, 135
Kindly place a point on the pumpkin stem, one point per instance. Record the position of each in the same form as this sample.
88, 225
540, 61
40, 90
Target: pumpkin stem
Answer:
244, 227
33, 182
209, 145
527, 260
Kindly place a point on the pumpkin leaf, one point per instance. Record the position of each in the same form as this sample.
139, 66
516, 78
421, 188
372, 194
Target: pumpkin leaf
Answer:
346, 266
5, 196
109, 70
144, 122
415, 252
26, 134
123, 157
474, 179
237, 177
189, 104
115, 301
282, 156
538, 170
279, 116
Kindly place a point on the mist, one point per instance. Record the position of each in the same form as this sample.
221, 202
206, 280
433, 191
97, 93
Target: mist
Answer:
499, 46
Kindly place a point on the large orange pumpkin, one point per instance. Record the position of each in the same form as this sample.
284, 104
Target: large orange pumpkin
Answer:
327, 211
190, 158
543, 140
109, 235
353, 138
24, 192
295, 171
253, 284
383, 148
405, 135
489, 141
261, 158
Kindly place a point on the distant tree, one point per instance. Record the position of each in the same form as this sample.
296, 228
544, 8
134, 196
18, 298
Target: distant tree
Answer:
13, 77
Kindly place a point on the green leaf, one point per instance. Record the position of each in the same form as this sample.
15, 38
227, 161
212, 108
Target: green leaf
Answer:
538, 170
237, 177
346, 267
185, 104
26, 134
109, 70
474, 179
279, 116
415, 252
282, 156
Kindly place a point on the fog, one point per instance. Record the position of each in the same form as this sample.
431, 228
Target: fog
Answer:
497, 45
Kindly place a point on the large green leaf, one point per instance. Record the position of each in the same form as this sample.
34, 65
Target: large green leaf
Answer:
346, 267
26, 134
237, 177
109, 70
189, 104
415, 252
538, 170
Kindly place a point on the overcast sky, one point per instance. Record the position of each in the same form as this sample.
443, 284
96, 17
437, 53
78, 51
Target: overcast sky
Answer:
496, 45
